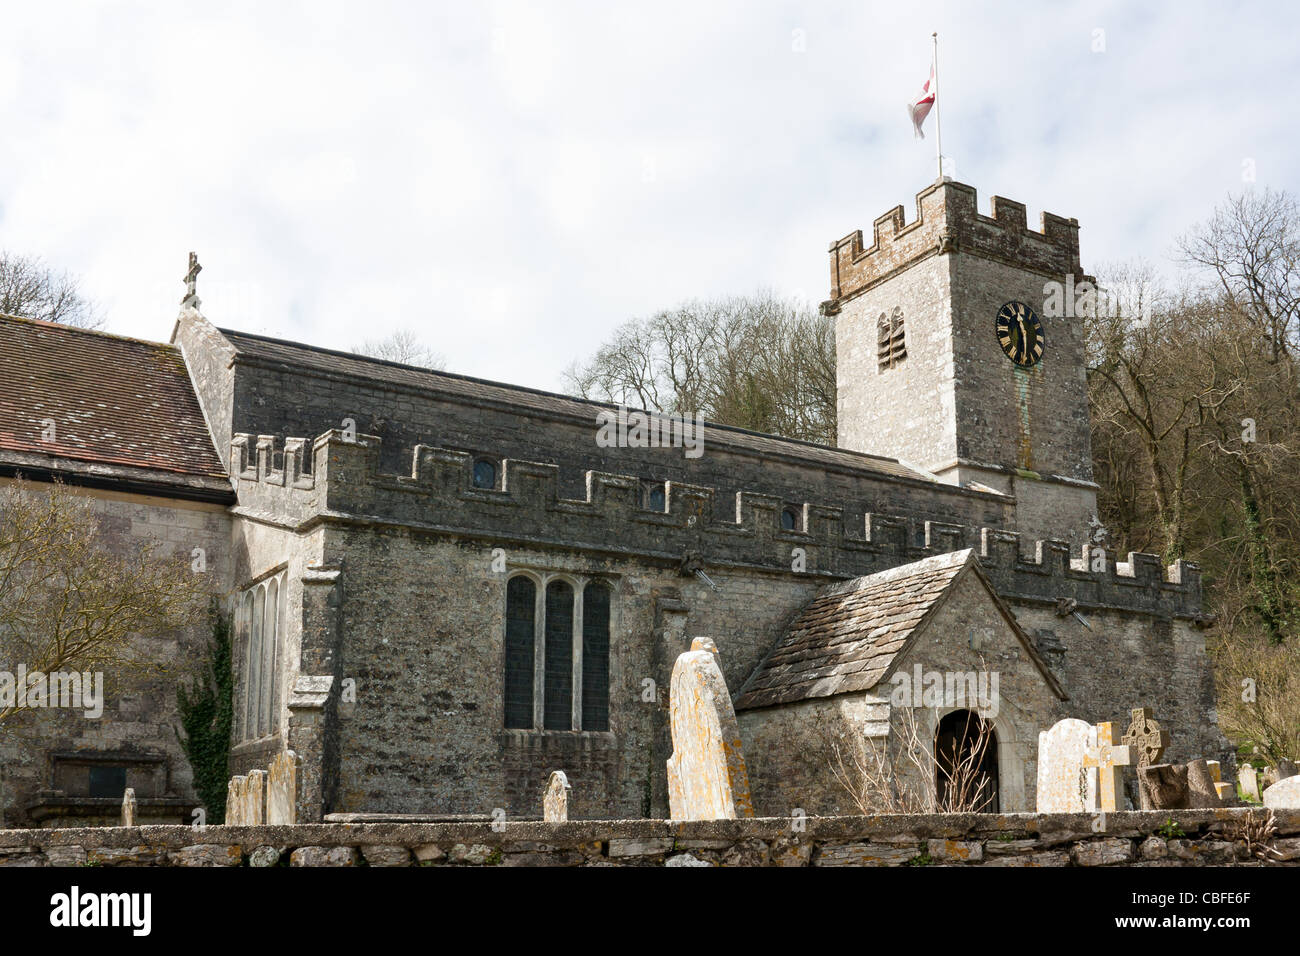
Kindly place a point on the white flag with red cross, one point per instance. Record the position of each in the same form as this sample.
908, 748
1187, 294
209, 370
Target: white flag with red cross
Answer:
920, 108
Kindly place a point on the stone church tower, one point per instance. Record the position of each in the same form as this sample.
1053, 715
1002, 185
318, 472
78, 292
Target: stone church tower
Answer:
930, 374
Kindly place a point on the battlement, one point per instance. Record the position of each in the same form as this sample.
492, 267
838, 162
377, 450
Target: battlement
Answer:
948, 220
614, 518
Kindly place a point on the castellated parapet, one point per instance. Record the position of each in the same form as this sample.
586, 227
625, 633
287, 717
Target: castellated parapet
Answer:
948, 220
345, 484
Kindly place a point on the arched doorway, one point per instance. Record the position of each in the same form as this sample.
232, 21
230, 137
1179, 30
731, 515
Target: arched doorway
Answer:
966, 763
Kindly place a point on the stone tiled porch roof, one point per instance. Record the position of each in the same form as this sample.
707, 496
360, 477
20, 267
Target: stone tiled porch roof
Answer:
849, 636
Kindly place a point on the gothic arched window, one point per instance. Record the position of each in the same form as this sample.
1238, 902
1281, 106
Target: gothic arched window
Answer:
557, 648
891, 345
521, 615
557, 707
595, 656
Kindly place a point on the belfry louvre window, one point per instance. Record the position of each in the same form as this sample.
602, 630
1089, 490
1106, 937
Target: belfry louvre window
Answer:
556, 653
259, 623
891, 346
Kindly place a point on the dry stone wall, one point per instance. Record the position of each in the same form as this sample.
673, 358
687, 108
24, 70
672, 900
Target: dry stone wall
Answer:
1174, 838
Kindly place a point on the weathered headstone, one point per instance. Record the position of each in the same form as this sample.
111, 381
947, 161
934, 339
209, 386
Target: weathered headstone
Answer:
707, 779
128, 807
235, 801
1285, 768
555, 801
1201, 791
282, 790
1106, 756
1189, 786
1065, 785
1224, 791
1163, 786
254, 812
1144, 737
1248, 779
1283, 795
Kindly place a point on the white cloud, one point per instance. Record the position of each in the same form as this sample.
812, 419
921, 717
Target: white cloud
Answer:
515, 179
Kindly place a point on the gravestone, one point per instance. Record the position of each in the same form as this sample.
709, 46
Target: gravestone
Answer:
235, 801
1285, 768
1223, 790
254, 811
1106, 756
282, 790
1065, 785
1201, 792
555, 801
1188, 786
1163, 786
1283, 795
1144, 737
1248, 779
707, 779
128, 807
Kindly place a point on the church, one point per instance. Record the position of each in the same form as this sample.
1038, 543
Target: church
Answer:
444, 588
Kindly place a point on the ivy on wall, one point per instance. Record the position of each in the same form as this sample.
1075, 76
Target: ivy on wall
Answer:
206, 710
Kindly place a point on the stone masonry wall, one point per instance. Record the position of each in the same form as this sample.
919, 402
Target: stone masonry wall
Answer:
420, 614
1176, 838
137, 725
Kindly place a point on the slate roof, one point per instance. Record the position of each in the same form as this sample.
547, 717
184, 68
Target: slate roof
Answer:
298, 357
848, 637
124, 410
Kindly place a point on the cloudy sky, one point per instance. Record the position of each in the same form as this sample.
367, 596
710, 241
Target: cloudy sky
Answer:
512, 180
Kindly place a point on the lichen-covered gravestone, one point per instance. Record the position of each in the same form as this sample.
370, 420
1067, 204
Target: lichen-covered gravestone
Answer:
254, 812
1248, 778
555, 801
128, 807
1144, 737
1283, 795
1065, 785
1188, 786
1108, 756
282, 790
235, 801
707, 779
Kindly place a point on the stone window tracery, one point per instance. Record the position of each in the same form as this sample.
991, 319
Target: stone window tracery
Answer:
557, 640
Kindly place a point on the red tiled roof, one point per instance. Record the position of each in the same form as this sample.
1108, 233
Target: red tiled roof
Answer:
114, 401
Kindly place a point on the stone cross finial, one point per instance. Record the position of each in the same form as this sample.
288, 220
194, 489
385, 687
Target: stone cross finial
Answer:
1106, 756
1145, 737
191, 281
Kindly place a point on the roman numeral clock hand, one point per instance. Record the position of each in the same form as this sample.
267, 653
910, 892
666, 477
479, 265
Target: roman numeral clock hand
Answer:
1023, 341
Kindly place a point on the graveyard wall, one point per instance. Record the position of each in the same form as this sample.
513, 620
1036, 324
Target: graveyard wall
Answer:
1203, 837
38, 748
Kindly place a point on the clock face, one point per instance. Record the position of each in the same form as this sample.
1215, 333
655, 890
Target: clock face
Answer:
1020, 333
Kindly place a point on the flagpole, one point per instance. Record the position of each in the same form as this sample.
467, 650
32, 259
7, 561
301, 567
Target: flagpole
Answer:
938, 130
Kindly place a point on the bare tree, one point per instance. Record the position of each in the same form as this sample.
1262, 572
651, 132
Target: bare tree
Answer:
1251, 248
757, 362
68, 603
402, 346
899, 773
30, 289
